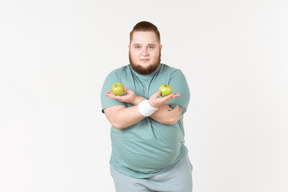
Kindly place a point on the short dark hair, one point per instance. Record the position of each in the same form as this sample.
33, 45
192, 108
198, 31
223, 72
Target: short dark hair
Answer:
145, 26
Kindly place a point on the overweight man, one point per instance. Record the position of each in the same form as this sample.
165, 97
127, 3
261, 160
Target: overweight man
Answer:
147, 132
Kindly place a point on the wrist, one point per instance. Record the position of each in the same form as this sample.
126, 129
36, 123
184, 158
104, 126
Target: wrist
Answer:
146, 109
138, 99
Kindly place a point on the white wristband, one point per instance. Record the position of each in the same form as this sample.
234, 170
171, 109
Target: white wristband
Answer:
146, 109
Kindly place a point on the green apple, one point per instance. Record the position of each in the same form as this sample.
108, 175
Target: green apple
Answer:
117, 89
165, 90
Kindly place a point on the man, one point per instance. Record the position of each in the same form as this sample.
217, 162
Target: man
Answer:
147, 131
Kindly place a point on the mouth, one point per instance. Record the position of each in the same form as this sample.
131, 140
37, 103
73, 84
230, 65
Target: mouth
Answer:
144, 60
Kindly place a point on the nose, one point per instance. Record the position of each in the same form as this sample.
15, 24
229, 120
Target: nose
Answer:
144, 52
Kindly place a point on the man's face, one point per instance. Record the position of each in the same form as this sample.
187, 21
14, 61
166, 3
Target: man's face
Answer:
144, 52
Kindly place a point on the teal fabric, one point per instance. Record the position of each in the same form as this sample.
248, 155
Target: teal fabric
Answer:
147, 148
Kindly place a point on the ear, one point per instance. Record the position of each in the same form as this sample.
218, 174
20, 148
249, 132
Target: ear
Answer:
160, 47
129, 46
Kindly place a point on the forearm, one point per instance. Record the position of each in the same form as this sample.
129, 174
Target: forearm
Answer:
168, 114
123, 117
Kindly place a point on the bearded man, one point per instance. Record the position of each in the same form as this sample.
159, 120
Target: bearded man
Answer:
147, 133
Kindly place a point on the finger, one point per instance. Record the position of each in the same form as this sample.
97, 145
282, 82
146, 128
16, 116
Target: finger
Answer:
156, 95
112, 96
108, 93
176, 95
128, 90
171, 97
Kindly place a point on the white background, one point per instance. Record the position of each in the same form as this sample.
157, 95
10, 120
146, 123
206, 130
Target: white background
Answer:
55, 56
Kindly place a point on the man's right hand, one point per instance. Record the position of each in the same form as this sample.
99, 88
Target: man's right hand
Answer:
129, 97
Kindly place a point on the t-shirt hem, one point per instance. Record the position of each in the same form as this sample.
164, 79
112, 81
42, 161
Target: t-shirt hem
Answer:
140, 175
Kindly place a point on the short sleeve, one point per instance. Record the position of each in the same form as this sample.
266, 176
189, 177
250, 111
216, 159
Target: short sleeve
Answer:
105, 101
180, 85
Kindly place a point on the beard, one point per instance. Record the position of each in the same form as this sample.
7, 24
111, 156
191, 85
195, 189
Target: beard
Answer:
145, 70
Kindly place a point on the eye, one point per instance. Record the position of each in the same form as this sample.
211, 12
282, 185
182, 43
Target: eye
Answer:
150, 47
137, 47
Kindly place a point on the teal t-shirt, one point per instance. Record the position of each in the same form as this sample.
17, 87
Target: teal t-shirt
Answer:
149, 147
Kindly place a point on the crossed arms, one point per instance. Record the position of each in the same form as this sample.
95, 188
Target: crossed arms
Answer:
122, 117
